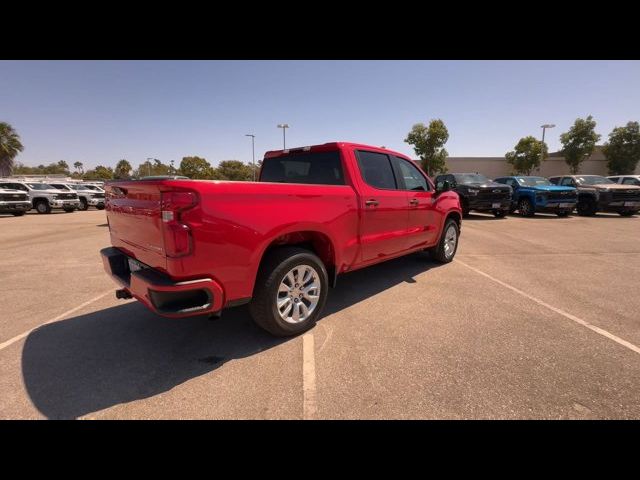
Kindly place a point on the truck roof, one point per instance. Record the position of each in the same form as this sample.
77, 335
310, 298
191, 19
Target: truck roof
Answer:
332, 146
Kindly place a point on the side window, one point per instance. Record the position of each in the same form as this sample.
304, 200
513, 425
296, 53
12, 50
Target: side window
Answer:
568, 182
411, 176
631, 181
511, 182
554, 180
452, 181
376, 170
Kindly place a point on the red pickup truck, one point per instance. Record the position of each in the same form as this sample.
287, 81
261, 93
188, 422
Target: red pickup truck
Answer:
189, 247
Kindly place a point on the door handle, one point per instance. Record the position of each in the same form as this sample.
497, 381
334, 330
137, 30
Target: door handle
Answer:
414, 201
371, 203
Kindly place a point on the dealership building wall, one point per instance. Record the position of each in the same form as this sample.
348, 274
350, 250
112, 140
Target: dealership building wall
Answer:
493, 167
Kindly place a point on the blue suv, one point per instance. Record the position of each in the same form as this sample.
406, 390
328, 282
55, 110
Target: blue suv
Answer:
537, 194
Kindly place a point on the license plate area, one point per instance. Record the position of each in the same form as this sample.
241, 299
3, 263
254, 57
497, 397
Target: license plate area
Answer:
566, 205
631, 204
495, 205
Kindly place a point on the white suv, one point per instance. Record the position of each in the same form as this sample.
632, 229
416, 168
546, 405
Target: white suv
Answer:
626, 179
44, 197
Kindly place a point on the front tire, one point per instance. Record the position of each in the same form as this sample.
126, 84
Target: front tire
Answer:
627, 213
525, 207
100, 207
448, 244
563, 213
43, 207
587, 207
83, 205
70, 210
499, 213
18, 214
290, 292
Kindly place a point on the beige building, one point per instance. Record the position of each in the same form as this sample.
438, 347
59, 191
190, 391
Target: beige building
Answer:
494, 167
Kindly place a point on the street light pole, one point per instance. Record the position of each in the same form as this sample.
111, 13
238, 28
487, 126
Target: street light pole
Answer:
149, 165
253, 153
544, 127
283, 126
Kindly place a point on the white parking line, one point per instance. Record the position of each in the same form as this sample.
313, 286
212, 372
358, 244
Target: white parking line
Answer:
579, 321
13, 340
309, 406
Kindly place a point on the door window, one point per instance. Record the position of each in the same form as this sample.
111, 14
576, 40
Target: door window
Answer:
410, 175
376, 170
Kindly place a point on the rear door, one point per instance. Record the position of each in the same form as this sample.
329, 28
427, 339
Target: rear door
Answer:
421, 223
384, 207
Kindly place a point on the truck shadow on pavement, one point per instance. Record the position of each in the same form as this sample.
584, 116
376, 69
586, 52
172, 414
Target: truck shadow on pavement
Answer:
87, 363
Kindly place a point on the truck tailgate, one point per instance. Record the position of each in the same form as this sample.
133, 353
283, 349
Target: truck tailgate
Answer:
135, 221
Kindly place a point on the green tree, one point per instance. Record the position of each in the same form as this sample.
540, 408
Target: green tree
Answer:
149, 168
196, 168
623, 149
579, 142
79, 167
234, 170
10, 146
122, 170
428, 143
526, 155
99, 173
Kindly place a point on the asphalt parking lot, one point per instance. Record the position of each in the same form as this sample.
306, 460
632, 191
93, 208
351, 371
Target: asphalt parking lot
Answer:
536, 318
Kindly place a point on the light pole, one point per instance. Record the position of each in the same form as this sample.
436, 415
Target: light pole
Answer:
283, 126
544, 127
253, 153
149, 164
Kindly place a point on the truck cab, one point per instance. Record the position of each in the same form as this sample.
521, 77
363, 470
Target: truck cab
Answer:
14, 201
537, 194
87, 196
479, 193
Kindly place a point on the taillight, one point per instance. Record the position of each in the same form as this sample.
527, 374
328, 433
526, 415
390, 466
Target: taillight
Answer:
178, 241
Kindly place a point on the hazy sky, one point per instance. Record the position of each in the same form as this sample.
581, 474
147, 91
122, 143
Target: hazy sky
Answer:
101, 111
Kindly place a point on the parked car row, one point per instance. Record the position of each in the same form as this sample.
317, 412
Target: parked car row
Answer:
18, 197
588, 194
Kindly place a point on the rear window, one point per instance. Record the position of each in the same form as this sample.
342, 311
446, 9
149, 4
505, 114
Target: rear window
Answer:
320, 168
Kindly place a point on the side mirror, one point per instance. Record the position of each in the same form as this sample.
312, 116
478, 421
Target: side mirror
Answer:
442, 186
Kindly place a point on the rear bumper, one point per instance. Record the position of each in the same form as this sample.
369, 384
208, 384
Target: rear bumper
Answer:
159, 292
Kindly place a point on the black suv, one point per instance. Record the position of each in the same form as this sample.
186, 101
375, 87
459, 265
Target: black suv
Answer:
479, 193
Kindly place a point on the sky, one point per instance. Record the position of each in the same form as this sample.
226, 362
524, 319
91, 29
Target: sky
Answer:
98, 112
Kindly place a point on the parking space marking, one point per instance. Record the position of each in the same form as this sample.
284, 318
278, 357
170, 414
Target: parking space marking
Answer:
559, 311
309, 406
13, 340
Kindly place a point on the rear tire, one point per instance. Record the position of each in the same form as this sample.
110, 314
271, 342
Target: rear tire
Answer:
273, 274
448, 244
42, 206
587, 207
525, 207
18, 214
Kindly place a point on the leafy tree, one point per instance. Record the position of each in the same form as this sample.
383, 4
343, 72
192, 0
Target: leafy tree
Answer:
526, 155
99, 173
149, 168
196, 167
234, 170
122, 170
623, 149
579, 142
428, 143
10, 146
79, 167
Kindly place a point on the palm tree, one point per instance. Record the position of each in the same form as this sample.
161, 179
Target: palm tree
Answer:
10, 146
79, 167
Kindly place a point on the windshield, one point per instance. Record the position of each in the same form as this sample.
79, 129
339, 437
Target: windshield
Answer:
533, 181
86, 187
593, 180
470, 178
40, 186
60, 186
